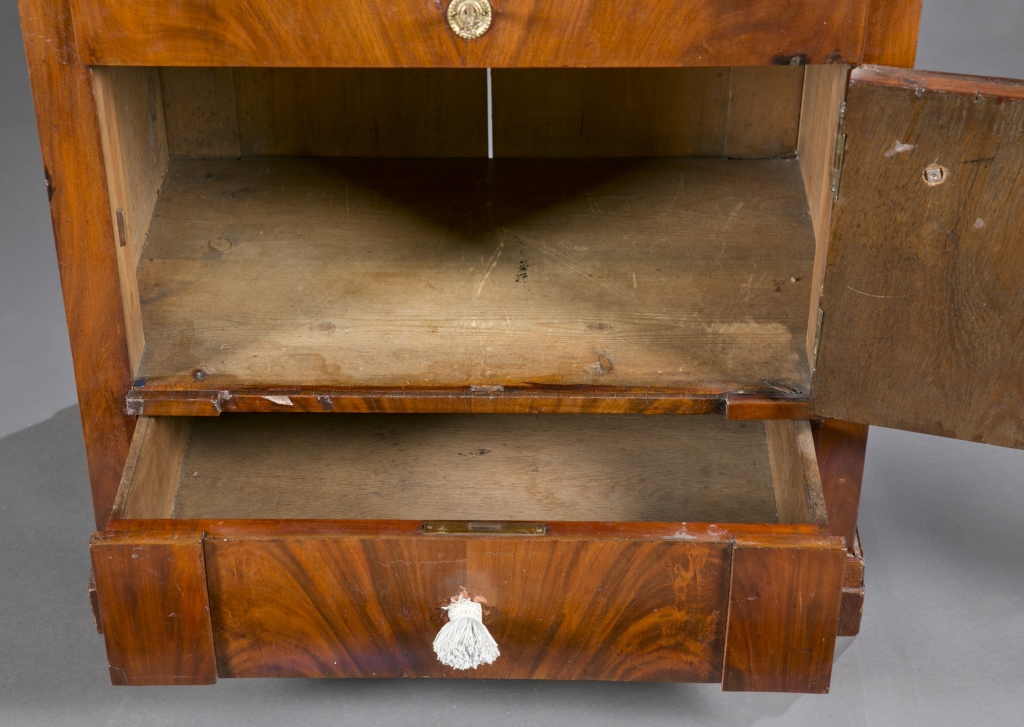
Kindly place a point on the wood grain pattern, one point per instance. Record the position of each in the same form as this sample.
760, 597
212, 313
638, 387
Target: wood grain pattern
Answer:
609, 112
153, 469
661, 274
924, 292
824, 93
794, 465
262, 529
536, 399
200, 112
738, 406
130, 114
154, 607
735, 112
763, 112
623, 609
841, 448
703, 469
529, 33
891, 38
80, 209
783, 616
362, 112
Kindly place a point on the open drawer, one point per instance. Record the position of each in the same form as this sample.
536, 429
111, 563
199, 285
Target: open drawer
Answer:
628, 547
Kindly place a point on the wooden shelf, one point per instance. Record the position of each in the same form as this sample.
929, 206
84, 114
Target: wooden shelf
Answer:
663, 284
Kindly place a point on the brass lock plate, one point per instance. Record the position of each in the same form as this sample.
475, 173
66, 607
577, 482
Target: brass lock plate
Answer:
469, 18
487, 527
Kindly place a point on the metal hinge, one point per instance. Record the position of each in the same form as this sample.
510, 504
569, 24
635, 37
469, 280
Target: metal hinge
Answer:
837, 159
817, 337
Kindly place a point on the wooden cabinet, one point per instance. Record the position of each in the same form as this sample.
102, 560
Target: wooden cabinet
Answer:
366, 315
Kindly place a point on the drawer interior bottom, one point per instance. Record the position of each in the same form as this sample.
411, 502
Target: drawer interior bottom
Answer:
470, 467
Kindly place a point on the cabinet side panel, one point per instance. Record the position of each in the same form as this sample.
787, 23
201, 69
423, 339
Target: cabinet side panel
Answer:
79, 207
923, 304
154, 608
131, 121
783, 617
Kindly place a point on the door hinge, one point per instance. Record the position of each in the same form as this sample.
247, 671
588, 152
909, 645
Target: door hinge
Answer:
817, 338
837, 159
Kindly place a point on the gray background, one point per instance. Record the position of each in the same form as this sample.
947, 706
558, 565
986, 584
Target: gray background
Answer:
942, 641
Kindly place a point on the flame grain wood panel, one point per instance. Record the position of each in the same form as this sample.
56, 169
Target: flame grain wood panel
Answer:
923, 304
559, 609
677, 275
526, 33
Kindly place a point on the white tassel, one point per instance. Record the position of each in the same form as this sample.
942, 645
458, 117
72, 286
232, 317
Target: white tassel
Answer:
464, 642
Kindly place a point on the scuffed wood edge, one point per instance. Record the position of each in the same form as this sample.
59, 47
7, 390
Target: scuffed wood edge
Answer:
824, 96
1005, 88
795, 476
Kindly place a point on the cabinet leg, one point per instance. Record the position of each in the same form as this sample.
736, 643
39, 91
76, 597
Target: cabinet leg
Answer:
841, 447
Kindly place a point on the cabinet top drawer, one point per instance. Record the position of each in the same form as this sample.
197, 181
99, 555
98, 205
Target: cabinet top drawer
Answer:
417, 33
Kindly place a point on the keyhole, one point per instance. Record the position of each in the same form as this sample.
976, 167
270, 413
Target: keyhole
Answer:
469, 14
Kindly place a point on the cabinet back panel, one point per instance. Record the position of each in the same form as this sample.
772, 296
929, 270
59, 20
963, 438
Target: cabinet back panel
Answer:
735, 112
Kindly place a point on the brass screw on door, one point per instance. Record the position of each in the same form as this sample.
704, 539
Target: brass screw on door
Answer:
469, 18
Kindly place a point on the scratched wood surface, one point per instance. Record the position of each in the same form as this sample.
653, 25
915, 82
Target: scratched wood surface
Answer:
409, 33
559, 609
475, 467
924, 288
655, 273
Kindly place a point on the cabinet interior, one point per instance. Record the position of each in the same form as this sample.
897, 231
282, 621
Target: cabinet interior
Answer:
631, 468
654, 230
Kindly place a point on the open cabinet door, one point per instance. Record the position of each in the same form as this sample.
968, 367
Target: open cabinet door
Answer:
922, 310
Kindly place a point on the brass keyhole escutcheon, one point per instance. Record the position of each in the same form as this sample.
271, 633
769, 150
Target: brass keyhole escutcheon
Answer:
469, 18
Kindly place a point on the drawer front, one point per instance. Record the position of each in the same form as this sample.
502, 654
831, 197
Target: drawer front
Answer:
522, 33
558, 608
